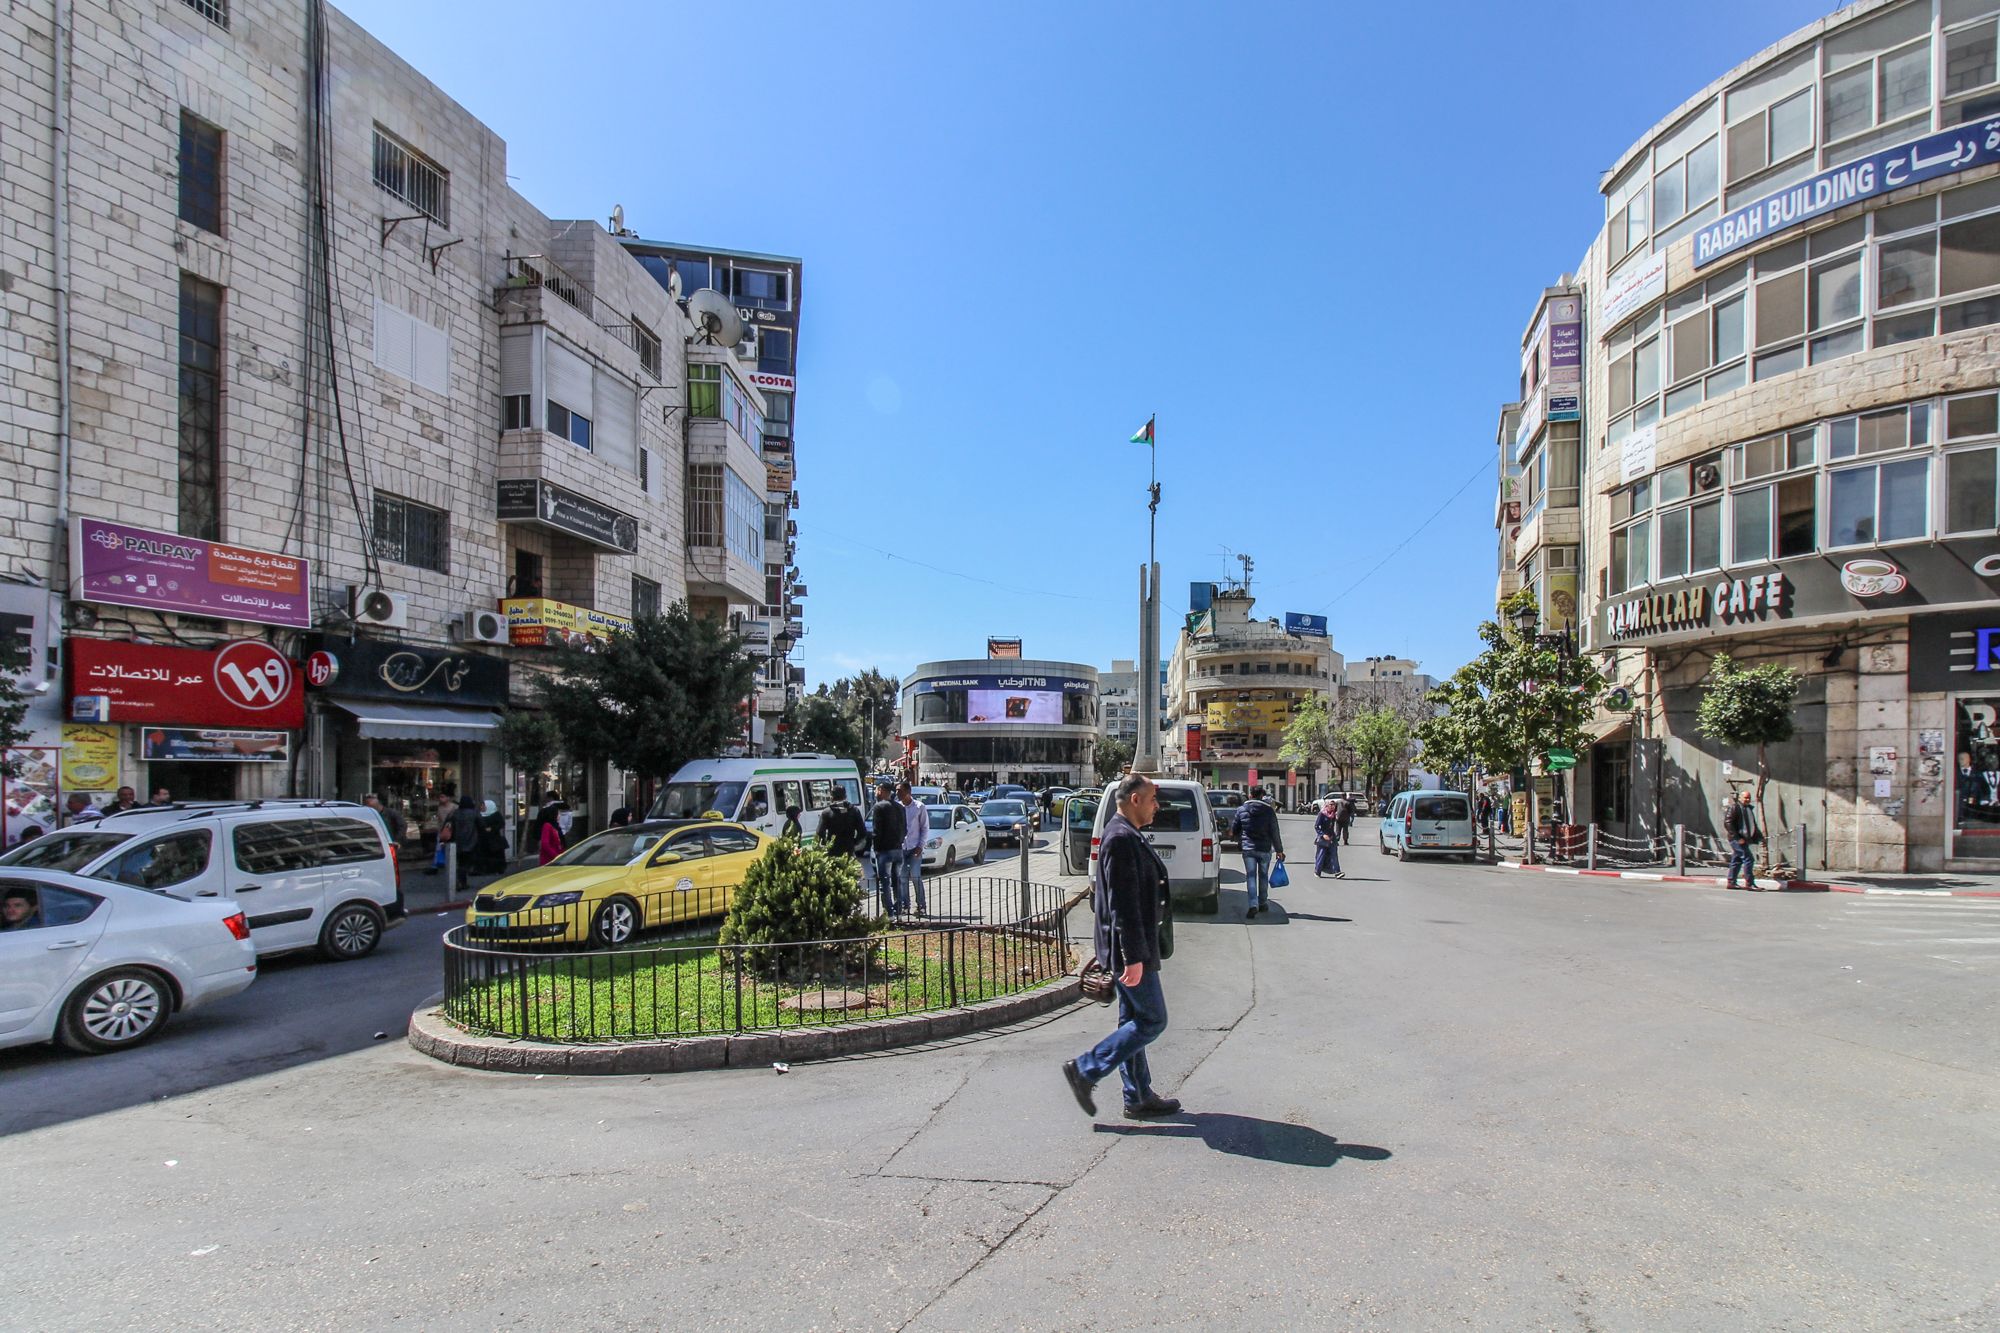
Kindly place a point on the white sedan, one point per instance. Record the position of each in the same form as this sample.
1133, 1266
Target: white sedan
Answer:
100, 966
955, 835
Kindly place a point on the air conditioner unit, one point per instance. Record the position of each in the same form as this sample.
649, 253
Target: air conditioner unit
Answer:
476, 625
378, 606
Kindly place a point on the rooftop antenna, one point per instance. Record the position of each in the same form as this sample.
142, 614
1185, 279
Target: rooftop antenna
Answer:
1248, 565
715, 318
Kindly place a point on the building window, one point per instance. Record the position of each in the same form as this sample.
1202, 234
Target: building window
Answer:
408, 533
517, 412
572, 426
200, 471
745, 513
774, 351
201, 173
739, 412
645, 597
646, 471
215, 11
704, 504
777, 412
761, 289
412, 177
1969, 58
1771, 137
704, 389
647, 344
527, 580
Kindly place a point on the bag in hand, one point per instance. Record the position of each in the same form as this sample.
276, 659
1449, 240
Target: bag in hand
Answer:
1099, 986
1279, 876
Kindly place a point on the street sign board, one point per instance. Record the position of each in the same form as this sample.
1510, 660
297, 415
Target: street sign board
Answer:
1558, 760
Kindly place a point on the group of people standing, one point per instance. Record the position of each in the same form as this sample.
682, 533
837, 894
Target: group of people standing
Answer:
891, 851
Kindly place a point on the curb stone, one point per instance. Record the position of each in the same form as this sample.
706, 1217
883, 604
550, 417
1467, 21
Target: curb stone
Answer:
1783, 885
433, 1035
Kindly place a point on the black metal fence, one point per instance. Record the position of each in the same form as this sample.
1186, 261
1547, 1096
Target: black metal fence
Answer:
984, 937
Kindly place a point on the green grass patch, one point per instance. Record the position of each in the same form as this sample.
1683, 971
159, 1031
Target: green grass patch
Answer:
692, 986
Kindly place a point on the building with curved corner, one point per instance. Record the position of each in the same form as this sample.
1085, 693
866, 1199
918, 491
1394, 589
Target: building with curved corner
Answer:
1760, 419
977, 721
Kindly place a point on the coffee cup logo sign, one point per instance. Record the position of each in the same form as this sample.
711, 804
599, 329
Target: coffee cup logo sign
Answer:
1733, 601
1872, 577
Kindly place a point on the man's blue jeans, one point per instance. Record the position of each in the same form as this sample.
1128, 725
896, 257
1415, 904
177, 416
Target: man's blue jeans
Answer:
1257, 876
1739, 856
889, 879
913, 879
1142, 1016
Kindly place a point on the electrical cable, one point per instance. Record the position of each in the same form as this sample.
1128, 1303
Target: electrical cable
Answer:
957, 574
1414, 534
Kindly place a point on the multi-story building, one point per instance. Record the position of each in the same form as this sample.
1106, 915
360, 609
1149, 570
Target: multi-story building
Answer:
978, 721
1232, 683
1386, 677
1792, 361
322, 432
1118, 702
766, 291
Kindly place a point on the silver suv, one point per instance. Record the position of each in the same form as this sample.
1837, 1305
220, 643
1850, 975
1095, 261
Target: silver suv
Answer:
307, 874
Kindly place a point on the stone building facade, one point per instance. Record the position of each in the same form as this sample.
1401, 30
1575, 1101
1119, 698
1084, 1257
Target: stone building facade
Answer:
266, 289
1790, 353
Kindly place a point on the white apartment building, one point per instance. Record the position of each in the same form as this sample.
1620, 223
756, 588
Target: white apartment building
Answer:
288, 363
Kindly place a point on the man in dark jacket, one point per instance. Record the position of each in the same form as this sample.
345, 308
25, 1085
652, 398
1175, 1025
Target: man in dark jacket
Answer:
841, 832
1256, 829
1739, 825
465, 836
1127, 893
889, 828
1347, 819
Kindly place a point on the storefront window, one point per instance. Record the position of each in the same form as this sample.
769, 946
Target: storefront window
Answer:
1975, 784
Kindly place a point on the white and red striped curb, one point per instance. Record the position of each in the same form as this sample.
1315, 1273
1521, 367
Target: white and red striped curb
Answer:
1787, 885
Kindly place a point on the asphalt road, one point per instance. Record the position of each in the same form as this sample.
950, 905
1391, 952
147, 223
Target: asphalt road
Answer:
1424, 1096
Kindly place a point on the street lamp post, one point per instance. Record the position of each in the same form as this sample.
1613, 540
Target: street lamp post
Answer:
1526, 621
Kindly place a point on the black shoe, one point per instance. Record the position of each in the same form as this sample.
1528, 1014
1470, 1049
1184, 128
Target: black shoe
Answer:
1079, 1087
1152, 1108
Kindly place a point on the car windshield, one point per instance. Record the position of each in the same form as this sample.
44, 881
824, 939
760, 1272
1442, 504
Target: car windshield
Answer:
692, 800
63, 851
613, 847
1443, 807
941, 816
1005, 808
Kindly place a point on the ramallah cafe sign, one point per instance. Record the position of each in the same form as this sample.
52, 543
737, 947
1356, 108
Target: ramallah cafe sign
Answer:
1732, 601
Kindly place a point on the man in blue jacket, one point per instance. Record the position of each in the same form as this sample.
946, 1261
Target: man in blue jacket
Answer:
1127, 893
1256, 829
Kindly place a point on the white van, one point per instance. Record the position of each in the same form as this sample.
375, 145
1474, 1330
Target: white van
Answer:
1183, 833
1431, 822
755, 792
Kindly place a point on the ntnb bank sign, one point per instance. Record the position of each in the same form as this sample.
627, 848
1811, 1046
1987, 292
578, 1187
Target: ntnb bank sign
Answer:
1958, 149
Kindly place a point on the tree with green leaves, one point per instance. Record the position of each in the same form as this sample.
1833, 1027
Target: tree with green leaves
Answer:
1749, 706
818, 724
1380, 740
872, 701
1112, 757
651, 699
1314, 736
15, 657
530, 740
1510, 705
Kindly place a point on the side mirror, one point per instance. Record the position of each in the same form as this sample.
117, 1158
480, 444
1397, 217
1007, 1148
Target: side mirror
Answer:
668, 859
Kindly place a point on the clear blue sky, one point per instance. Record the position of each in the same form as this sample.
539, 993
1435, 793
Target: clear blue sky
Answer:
1307, 236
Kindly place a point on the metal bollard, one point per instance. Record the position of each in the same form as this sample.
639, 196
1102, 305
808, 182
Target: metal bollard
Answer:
1799, 854
450, 870
1680, 849
1590, 847
1021, 830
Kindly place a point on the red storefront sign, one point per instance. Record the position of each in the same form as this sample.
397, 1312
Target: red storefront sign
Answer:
247, 683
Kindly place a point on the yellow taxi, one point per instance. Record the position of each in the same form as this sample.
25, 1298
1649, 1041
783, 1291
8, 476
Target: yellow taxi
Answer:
614, 884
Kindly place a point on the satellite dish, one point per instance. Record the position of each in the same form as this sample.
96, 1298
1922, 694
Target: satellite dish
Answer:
618, 219
673, 283
715, 317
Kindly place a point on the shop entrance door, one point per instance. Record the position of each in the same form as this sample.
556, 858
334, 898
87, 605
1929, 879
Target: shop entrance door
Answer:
412, 776
1975, 777
192, 782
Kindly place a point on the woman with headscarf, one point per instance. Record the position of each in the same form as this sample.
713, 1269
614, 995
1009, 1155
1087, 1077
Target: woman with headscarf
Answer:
489, 854
1326, 839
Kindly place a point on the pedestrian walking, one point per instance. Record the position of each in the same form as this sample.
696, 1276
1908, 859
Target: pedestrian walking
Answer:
1127, 895
1326, 839
392, 818
464, 824
793, 830
916, 827
888, 844
550, 846
565, 820
1485, 808
489, 856
1255, 826
127, 799
1506, 805
1739, 825
1346, 817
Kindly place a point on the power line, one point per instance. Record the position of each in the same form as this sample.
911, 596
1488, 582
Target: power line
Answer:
954, 573
1415, 532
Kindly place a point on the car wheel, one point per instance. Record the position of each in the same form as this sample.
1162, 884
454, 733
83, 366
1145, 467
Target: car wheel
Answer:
1402, 851
979, 857
351, 932
950, 859
616, 922
116, 1011
1382, 844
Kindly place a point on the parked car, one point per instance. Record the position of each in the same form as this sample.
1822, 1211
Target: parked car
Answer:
323, 873
1003, 818
956, 834
1225, 805
614, 884
100, 966
755, 792
1429, 823
1183, 833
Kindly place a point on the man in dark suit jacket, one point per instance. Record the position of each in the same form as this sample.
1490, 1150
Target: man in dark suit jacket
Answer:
1127, 894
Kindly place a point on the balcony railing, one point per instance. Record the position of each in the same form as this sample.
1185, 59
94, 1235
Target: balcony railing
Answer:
543, 272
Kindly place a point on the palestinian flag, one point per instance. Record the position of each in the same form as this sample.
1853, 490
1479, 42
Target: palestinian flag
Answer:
1144, 435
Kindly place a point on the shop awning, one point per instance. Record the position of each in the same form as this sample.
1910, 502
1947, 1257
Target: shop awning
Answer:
1613, 728
420, 722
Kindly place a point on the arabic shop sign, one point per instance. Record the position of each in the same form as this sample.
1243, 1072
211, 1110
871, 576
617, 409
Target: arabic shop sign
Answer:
382, 669
1730, 601
163, 571
247, 683
536, 622
1958, 149
550, 506
217, 746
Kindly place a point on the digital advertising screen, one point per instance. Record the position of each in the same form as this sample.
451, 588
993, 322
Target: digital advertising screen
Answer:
1014, 706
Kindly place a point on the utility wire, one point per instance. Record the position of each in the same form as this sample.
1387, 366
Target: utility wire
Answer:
954, 573
1414, 534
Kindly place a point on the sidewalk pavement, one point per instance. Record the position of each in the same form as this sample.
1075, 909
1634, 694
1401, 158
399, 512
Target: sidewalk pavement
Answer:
1911, 885
424, 891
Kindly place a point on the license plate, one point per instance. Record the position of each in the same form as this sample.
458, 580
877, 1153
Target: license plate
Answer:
1427, 837
1166, 853
494, 922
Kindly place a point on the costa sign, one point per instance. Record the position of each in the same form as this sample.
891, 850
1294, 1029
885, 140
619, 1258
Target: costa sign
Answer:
247, 683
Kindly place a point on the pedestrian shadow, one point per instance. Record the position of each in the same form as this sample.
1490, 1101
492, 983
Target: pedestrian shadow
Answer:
1310, 916
1248, 1136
